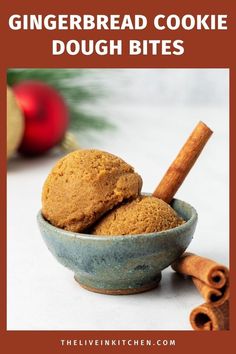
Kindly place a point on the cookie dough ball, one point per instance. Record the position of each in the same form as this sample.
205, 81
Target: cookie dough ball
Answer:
84, 185
142, 215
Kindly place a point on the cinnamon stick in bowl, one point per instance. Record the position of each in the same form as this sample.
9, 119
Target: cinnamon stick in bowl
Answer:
183, 163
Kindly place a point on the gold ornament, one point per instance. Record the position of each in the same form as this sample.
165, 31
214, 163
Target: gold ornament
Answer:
69, 143
15, 123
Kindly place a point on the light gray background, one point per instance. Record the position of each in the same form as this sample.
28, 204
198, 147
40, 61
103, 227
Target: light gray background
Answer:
154, 111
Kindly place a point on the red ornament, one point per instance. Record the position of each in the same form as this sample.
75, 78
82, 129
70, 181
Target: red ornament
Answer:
46, 116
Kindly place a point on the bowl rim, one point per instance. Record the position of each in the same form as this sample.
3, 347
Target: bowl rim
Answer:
48, 225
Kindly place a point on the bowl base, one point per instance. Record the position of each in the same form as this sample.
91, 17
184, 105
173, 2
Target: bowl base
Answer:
129, 291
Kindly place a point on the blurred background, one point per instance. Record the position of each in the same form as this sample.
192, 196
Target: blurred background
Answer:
142, 115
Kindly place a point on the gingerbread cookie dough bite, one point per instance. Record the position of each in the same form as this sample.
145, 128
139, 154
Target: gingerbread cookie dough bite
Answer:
84, 185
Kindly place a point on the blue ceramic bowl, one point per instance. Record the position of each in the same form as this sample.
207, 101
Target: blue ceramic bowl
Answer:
120, 264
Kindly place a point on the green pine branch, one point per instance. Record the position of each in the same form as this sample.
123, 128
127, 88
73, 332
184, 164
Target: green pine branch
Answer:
63, 80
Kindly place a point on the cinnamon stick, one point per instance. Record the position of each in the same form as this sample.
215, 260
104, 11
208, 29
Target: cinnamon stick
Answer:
212, 295
182, 164
210, 318
208, 271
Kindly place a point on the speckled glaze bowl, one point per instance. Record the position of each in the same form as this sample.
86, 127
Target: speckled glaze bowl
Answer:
120, 264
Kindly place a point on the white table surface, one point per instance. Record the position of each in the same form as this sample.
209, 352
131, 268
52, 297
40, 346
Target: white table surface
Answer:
41, 294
